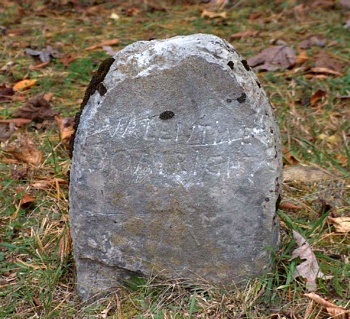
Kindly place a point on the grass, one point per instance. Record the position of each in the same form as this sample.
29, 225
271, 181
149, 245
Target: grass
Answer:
36, 266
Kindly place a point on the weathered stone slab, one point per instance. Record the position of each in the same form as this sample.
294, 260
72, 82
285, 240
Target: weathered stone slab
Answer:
176, 167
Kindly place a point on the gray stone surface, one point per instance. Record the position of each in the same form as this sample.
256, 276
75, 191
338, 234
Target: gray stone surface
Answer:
176, 167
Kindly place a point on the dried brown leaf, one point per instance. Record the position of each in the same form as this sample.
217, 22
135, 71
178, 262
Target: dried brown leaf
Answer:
326, 61
6, 93
213, 15
67, 59
66, 128
38, 66
26, 198
337, 313
325, 71
48, 183
341, 224
273, 58
100, 45
302, 58
321, 301
290, 206
26, 150
6, 130
289, 157
305, 174
248, 33
255, 15
309, 268
316, 96
36, 301
37, 108
18, 122
313, 40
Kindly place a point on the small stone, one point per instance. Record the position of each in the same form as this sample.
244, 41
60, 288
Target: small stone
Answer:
176, 167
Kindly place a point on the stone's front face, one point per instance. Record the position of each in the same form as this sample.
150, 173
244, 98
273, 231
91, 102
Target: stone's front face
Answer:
176, 168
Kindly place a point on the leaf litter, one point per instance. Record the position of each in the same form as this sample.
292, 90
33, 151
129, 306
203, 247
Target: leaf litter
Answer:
26, 150
275, 58
44, 55
332, 309
37, 108
309, 268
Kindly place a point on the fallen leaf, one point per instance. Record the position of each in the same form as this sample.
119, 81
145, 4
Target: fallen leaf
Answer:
48, 183
36, 301
38, 66
26, 199
316, 96
289, 157
6, 130
100, 45
66, 128
6, 93
332, 309
24, 84
255, 15
67, 59
48, 96
273, 58
338, 313
37, 108
325, 71
341, 224
17, 122
325, 61
213, 15
248, 33
309, 268
302, 58
306, 174
130, 12
313, 40
289, 206
44, 55
26, 150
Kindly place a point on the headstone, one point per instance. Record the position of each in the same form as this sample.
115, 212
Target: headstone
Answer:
176, 167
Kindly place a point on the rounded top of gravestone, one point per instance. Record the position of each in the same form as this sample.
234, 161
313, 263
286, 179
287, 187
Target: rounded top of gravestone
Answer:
143, 57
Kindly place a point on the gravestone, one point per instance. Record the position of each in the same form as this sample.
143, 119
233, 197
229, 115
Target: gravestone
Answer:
176, 167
